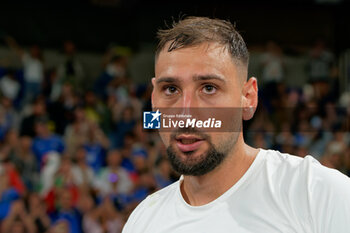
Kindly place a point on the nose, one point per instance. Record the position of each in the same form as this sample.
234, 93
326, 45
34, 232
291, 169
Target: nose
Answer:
188, 101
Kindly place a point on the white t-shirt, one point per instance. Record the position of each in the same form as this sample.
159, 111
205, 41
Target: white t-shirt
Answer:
104, 185
9, 87
273, 68
33, 69
278, 193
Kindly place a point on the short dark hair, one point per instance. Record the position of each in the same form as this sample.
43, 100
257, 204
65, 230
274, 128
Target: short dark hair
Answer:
192, 31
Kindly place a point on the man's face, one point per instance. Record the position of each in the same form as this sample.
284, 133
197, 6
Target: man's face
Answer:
114, 158
202, 76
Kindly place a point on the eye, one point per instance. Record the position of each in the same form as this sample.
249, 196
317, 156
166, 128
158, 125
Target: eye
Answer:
170, 90
209, 89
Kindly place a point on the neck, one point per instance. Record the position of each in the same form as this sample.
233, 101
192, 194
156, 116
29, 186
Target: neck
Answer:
200, 190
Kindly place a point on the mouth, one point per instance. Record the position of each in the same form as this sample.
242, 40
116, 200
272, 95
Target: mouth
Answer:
188, 143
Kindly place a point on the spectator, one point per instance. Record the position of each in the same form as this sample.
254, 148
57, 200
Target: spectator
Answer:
86, 203
66, 211
115, 71
163, 173
8, 194
86, 133
272, 64
104, 218
60, 226
8, 146
8, 117
9, 86
48, 172
71, 70
113, 179
61, 111
321, 68
33, 69
126, 151
37, 212
83, 175
139, 159
93, 109
18, 220
61, 181
64, 178
321, 62
38, 110
45, 141
75, 134
49, 89
335, 155
14, 178
145, 186
96, 146
124, 125
18, 151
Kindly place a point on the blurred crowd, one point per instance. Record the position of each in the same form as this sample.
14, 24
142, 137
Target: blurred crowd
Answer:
76, 159
313, 119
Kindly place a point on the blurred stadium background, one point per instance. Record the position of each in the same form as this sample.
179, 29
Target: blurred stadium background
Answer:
75, 78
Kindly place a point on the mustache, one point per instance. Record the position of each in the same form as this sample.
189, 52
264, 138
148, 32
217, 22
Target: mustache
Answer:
177, 132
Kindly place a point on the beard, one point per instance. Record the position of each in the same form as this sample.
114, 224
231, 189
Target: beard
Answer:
205, 162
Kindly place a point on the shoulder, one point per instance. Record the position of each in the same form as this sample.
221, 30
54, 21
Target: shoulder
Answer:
307, 166
320, 194
147, 208
307, 169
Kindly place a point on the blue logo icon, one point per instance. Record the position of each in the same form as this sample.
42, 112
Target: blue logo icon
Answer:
151, 120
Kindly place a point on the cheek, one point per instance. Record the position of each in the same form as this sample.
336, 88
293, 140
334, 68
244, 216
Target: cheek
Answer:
221, 139
235, 100
157, 100
165, 138
215, 138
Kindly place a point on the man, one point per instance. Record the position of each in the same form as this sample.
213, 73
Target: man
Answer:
45, 142
113, 180
33, 68
228, 186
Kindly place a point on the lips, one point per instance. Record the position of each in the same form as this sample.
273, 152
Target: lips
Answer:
187, 143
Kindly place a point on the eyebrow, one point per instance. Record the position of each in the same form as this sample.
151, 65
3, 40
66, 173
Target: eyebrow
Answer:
208, 77
195, 78
167, 80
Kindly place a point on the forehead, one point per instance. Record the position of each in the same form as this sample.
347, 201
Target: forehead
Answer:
205, 58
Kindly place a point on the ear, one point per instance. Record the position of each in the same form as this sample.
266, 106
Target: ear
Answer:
153, 84
250, 98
